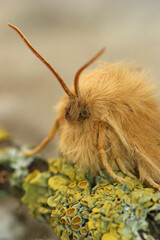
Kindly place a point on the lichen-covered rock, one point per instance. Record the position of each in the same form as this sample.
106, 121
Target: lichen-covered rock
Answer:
76, 205
79, 207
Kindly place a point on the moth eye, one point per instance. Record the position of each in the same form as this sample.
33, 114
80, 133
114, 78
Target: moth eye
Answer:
67, 113
84, 114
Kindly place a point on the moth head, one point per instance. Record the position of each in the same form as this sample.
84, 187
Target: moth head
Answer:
76, 110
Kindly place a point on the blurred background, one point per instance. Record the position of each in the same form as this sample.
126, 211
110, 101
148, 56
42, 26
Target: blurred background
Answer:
67, 34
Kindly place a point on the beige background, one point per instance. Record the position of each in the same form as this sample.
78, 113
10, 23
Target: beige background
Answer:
67, 34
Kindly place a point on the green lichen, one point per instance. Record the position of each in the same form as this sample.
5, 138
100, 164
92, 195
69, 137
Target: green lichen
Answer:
78, 208
15, 165
18, 165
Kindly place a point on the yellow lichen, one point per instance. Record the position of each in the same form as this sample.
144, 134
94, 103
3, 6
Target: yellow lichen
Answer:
57, 182
76, 220
71, 211
102, 212
83, 184
4, 135
110, 236
75, 227
72, 185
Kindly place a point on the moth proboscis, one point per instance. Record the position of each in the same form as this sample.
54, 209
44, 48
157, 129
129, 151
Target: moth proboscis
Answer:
109, 119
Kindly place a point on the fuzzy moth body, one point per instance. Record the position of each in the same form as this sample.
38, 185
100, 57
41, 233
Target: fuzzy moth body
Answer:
109, 119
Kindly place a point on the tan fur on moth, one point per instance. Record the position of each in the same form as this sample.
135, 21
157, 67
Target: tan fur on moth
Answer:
108, 119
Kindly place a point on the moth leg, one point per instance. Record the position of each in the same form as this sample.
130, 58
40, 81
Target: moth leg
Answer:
152, 183
44, 141
144, 176
143, 173
123, 168
103, 154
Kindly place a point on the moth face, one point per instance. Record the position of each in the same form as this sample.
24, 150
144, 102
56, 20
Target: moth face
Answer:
76, 111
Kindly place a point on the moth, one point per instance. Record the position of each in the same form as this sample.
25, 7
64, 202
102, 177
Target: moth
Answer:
109, 119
